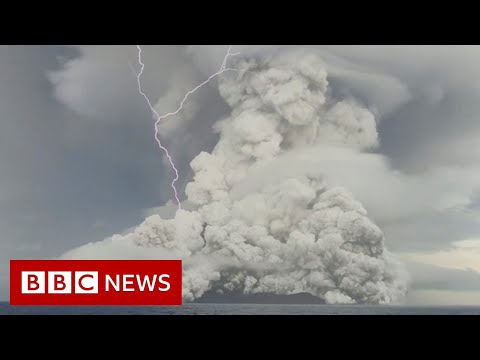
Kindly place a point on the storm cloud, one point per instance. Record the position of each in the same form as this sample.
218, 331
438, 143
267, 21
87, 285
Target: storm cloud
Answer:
79, 163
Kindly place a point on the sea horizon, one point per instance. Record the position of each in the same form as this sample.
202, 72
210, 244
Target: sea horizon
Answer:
243, 309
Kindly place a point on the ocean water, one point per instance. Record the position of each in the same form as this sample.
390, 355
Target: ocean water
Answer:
240, 309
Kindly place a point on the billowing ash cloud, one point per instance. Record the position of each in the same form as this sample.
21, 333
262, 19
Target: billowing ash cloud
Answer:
296, 234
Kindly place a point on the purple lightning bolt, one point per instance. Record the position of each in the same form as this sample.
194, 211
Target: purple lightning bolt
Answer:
159, 118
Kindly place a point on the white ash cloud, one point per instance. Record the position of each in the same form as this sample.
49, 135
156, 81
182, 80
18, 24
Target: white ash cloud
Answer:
293, 234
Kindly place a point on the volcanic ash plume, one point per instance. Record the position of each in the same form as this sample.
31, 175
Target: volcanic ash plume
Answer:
295, 235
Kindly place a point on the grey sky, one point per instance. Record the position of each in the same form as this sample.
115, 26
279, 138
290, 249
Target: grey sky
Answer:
79, 162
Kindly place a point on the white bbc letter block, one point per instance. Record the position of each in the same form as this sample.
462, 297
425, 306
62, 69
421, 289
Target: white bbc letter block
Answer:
59, 282
33, 282
86, 282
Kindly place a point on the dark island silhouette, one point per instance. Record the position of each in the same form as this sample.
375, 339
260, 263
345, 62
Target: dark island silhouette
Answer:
213, 297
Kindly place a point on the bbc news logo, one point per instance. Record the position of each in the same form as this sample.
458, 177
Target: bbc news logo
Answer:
95, 282
59, 282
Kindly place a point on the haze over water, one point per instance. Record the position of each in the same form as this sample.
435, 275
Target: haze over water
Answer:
241, 309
